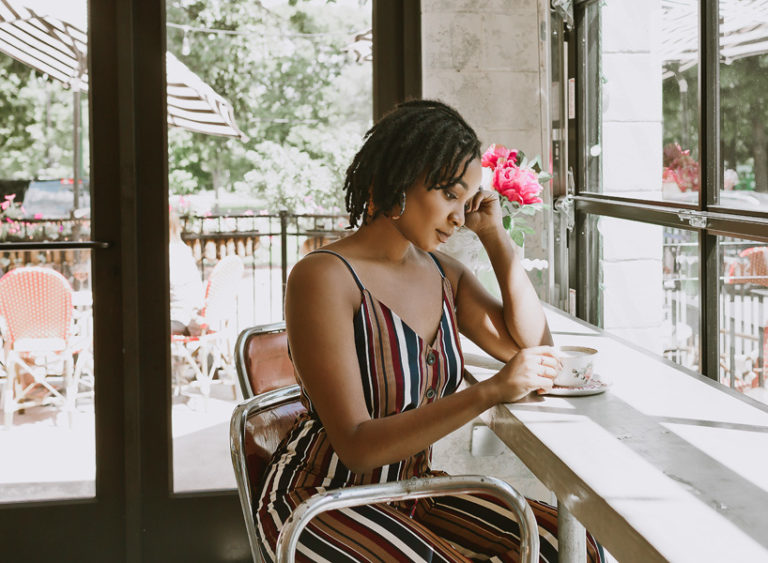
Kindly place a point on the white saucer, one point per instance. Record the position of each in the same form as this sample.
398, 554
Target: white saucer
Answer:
593, 387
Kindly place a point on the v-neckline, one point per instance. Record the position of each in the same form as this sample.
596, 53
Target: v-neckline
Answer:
406, 325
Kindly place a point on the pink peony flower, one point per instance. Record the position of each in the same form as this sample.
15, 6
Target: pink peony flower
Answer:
498, 155
517, 184
38, 216
5, 205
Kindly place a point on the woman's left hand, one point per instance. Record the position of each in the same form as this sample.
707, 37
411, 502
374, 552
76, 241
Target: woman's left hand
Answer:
483, 212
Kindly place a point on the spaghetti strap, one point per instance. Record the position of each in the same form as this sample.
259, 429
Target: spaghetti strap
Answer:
439, 266
351, 269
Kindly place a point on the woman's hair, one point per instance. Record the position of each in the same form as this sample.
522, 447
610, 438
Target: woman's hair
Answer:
419, 139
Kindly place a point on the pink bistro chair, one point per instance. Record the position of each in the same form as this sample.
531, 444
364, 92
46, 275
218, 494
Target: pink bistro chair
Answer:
38, 338
212, 349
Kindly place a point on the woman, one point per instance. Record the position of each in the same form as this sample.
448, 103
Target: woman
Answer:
373, 323
186, 287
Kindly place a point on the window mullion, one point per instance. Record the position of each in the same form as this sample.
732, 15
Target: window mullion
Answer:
709, 151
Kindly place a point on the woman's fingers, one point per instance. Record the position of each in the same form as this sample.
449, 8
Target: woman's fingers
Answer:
545, 385
479, 199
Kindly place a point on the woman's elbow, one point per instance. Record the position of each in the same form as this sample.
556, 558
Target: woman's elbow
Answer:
357, 460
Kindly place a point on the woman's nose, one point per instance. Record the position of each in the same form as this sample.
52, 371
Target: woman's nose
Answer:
457, 217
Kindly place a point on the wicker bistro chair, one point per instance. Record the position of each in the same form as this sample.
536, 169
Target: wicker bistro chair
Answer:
210, 351
261, 421
39, 338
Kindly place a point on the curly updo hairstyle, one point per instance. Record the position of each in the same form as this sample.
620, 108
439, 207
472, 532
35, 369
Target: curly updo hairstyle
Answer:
419, 138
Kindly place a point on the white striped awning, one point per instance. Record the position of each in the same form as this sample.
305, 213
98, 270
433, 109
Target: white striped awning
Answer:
59, 49
743, 31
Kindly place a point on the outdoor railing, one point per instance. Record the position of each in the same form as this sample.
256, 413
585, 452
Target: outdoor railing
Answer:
269, 245
73, 264
743, 296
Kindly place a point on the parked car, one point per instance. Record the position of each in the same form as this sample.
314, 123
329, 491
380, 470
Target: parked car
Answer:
55, 199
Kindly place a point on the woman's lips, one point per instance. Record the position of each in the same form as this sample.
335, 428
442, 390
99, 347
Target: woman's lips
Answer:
443, 236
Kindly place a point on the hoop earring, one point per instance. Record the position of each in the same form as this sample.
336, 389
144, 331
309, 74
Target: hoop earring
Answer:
402, 208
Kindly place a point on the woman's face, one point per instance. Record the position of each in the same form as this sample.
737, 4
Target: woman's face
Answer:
432, 216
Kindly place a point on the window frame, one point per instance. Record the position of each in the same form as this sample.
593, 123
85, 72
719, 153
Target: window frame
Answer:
708, 218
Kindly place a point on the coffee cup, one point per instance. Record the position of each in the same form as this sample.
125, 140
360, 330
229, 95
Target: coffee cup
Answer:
578, 365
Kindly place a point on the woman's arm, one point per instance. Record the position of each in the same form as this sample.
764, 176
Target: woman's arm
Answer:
321, 302
518, 321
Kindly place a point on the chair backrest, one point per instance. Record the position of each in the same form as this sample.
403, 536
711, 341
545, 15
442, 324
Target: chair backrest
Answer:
36, 302
756, 270
258, 425
262, 360
221, 290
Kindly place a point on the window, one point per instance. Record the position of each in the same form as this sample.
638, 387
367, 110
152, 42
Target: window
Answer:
251, 196
670, 243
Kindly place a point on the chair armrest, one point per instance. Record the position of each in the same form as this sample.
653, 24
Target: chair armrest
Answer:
411, 489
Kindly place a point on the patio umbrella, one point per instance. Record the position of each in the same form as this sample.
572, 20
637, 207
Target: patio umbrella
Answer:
58, 48
743, 31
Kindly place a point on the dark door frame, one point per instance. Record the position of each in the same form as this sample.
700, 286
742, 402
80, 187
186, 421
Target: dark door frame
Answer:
136, 516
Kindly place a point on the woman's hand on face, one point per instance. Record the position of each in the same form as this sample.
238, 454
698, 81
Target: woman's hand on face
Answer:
483, 212
532, 369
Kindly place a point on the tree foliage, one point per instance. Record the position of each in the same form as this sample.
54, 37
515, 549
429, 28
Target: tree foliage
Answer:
296, 93
302, 100
35, 124
743, 117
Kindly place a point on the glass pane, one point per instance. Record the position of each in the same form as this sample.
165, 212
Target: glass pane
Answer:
46, 362
245, 206
744, 104
650, 287
642, 97
743, 316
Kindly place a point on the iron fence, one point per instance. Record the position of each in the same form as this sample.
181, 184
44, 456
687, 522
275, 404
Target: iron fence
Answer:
743, 293
269, 245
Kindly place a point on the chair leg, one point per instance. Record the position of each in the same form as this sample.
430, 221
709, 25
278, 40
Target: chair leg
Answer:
70, 390
205, 374
181, 351
8, 399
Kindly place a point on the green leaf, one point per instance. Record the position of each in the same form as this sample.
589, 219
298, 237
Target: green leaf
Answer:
506, 222
519, 238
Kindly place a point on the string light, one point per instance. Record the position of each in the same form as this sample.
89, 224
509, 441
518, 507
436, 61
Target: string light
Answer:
191, 29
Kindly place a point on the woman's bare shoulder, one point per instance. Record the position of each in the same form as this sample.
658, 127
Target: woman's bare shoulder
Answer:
454, 270
321, 276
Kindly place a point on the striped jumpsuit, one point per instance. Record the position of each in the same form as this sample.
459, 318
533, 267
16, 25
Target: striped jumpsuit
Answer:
400, 371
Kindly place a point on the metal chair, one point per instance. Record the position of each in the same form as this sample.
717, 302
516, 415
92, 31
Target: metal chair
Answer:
210, 351
261, 359
38, 338
261, 421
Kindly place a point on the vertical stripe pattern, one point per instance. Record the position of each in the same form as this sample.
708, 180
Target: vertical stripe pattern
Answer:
400, 371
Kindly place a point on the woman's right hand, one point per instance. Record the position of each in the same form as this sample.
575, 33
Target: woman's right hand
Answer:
532, 369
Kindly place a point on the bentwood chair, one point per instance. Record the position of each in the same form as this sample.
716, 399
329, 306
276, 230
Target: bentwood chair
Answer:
261, 421
39, 340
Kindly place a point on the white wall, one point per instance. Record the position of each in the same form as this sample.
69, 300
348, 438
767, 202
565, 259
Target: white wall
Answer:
488, 59
632, 274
